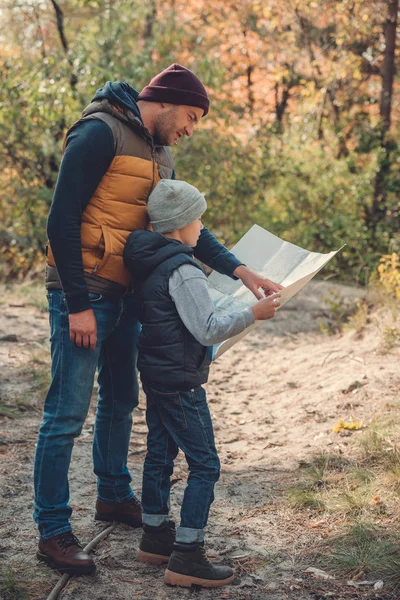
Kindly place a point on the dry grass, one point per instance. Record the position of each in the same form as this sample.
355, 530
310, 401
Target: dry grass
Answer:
24, 580
359, 498
365, 550
30, 293
37, 374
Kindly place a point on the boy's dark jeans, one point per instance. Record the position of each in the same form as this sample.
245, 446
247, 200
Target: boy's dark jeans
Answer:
179, 419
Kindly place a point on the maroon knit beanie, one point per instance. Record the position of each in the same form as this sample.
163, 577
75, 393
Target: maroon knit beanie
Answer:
176, 85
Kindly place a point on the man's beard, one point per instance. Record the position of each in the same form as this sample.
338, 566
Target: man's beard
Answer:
165, 127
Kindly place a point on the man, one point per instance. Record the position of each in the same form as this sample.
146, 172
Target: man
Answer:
114, 156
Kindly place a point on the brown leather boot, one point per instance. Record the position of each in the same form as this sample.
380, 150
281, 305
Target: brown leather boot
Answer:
63, 553
128, 512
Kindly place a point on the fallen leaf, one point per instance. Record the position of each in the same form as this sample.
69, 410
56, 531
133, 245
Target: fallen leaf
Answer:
274, 445
318, 573
351, 425
318, 524
353, 386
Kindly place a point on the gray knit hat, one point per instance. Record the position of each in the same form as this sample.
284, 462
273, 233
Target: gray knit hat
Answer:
173, 204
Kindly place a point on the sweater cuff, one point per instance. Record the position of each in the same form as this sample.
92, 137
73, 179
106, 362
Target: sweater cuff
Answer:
248, 317
78, 302
232, 264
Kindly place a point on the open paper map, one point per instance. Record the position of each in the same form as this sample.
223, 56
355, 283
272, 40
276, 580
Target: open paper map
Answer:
282, 262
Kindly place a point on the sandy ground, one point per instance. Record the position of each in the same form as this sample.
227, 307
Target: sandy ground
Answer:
274, 398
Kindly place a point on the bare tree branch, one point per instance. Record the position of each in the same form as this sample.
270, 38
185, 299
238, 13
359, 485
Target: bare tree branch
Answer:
60, 26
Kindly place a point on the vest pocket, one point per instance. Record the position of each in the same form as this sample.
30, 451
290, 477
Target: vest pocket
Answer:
205, 360
107, 250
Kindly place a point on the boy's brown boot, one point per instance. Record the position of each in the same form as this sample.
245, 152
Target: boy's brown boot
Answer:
157, 543
64, 553
189, 566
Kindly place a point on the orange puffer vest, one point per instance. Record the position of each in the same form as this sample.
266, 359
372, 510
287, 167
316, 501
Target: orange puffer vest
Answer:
118, 205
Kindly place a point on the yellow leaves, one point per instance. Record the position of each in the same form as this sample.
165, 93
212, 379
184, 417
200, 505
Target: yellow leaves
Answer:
389, 274
390, 337
350, 426
394, 260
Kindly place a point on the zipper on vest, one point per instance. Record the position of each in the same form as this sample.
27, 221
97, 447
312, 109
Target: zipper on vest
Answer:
153, 159
149, 140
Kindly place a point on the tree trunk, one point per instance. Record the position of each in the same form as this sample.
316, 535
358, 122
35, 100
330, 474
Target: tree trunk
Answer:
281, 104
149, 22
379, 204
388, 68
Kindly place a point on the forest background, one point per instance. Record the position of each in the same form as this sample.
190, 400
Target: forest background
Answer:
302, 138
302, 133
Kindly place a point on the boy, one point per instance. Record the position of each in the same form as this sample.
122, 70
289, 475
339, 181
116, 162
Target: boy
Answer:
178, 324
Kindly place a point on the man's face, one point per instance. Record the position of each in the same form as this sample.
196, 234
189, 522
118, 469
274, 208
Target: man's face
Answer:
174, 121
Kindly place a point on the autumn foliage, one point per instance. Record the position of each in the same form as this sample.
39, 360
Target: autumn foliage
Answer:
301, 136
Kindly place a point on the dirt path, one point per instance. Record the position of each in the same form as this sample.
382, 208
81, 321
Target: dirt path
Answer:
274, 397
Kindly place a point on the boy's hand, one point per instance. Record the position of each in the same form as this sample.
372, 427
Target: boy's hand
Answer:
83, 329
266, 308
253, 281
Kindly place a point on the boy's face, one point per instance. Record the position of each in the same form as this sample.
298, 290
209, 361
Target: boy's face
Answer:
191, 233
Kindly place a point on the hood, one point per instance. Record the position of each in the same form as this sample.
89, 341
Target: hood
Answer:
120, 93
114, 95
145, 250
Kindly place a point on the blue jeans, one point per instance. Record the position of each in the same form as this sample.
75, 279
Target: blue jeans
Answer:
179, 420
67, 404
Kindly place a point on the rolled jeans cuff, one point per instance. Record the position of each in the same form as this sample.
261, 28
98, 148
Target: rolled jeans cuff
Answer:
187, 535
59, 531
154, 520
115, 500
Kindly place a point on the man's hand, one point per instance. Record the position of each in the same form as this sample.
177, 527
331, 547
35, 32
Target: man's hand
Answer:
83, 329
254, 281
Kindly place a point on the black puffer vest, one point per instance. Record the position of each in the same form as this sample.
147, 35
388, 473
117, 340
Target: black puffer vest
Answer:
169, 355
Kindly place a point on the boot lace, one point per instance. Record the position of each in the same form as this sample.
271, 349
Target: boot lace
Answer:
171, 527
204, 556
67, 539
134, 501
